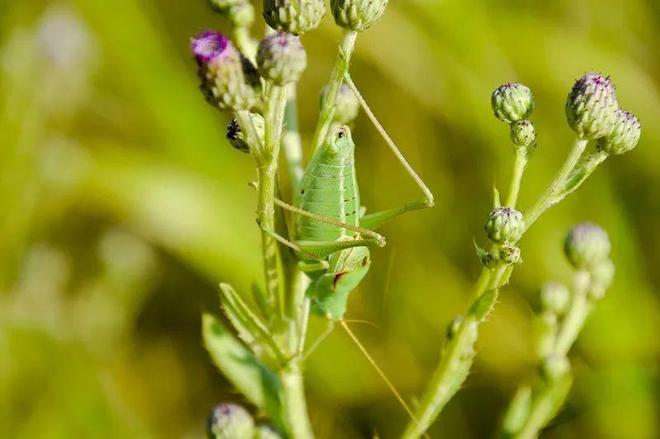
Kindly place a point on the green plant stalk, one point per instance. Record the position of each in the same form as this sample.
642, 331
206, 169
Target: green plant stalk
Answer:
519, 165
545, 406
294, 406
291, 143
267, 184
574, 321
549, 196
549, 395
339, 70
443, 384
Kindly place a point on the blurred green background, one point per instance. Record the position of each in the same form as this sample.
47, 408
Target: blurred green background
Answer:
122, 207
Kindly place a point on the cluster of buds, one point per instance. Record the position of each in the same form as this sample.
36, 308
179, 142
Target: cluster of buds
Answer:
587, 248
513, 103
231, 82
504, 227
231, 421
593, 112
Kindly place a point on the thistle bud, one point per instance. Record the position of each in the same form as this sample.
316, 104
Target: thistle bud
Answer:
357, 15
505, 225
555, 297
523, 135
555, 366
266, 432
229, 81
347, 106
281, 58
230, 421
512, 102
510, 254
624, 136
545, 334
294, 16
602, 275
240, 13
592, 106
586, 246
236, 136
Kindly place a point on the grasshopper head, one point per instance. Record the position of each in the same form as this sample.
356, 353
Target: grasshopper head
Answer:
339, 142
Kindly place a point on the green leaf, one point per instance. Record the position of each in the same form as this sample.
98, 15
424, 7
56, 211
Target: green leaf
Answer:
253, 379
251, 329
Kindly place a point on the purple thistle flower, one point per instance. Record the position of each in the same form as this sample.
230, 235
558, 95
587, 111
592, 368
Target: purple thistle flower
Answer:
208, 45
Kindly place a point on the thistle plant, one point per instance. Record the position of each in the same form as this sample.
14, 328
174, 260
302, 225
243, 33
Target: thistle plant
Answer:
593, 113
316, 238
315, 245
562, 313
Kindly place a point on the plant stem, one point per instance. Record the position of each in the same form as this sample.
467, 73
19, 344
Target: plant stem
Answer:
457, 355
294, 405
336, 77
267, 175
291, 144
578, 311
545, 406
548, 197
519, 164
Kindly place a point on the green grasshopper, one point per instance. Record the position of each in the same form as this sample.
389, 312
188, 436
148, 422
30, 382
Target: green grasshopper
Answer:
330, 235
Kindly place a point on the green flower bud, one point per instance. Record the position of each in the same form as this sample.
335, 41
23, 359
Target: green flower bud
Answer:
240, 13
357, 15
523, 135
555, 367
624, 136
229, 81
555, 297
505, 225
591, 106
545, 334
586, 246
266, 432
512, 102
230, 421
510, 254
347, 106
281, 58
236, 136
294, 16
602, 275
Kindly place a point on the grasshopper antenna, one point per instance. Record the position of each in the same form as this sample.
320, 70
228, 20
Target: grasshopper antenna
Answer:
378, 369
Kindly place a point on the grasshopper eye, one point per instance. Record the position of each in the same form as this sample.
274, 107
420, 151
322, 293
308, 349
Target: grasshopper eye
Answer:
341, 134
